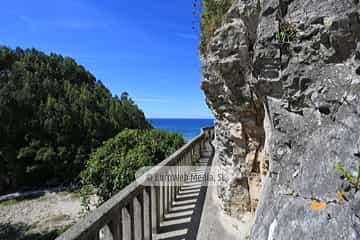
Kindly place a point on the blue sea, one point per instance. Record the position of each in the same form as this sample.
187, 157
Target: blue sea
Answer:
189, 128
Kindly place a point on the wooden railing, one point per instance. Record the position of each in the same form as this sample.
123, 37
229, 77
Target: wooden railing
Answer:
137, 210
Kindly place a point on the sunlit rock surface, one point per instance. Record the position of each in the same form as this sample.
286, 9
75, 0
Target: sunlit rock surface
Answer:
286, 114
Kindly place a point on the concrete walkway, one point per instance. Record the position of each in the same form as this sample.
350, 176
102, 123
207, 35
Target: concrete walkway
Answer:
183, 219
196, 212
215, 225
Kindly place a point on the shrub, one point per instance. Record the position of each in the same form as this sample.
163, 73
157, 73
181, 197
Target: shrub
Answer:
286, 33
346, 173
113, 166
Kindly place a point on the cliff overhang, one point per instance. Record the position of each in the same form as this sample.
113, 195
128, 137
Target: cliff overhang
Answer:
282, 79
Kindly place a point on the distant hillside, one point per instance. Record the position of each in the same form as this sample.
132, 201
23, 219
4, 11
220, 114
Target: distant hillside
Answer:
53, 113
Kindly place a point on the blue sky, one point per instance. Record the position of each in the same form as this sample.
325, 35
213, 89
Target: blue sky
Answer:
147, 48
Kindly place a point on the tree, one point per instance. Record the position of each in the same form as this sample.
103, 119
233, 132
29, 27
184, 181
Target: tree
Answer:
53, 114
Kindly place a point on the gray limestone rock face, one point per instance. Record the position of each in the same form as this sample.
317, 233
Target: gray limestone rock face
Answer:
287, 113
238, 111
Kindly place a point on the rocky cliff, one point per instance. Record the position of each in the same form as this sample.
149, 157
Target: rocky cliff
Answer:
282, 78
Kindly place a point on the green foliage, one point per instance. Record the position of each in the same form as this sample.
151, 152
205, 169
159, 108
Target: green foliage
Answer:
53, 113
113, 166
286, 33
213, 13
346, 173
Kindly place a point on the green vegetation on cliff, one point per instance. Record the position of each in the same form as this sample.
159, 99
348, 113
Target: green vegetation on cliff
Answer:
213, 12
113, 166
53, 113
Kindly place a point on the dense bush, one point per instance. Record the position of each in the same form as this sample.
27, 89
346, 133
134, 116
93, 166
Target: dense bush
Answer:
213, 12
53, 113
113, 166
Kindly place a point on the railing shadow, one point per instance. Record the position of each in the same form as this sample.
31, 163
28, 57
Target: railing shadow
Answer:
186, 230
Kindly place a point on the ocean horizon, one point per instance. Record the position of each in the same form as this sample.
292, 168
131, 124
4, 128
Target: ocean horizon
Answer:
188, 127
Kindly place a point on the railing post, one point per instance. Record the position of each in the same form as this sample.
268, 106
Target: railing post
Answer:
129, 231
169, 191
198, 148
173, 179
116, 225
185, 163
176, 182
158, 208
173, 186
192, 156
95, 235
163, 200
148, 213
176, 179
181, 164
204, 143
141, 221
188, 158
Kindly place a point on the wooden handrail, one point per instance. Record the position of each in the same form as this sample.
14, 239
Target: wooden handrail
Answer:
109, 219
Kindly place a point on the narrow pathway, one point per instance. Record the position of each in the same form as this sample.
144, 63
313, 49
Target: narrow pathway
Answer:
215, 224
182, 221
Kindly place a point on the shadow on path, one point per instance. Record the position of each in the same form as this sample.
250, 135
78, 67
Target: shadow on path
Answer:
182, 221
